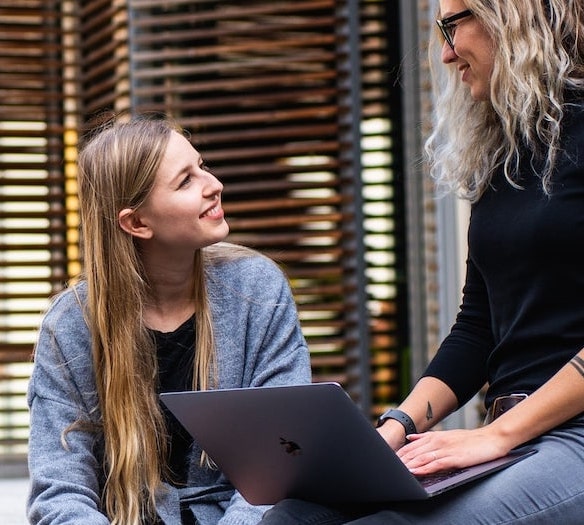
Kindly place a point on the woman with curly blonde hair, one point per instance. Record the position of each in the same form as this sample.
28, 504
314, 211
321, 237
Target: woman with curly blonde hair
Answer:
164, 305
509, 137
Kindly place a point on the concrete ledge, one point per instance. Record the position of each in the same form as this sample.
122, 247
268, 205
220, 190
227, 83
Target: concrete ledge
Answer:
13, 467
13, 493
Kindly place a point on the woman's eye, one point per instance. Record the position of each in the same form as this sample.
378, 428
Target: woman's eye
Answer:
185, 181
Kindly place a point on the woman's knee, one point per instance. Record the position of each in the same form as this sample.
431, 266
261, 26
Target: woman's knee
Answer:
299, 512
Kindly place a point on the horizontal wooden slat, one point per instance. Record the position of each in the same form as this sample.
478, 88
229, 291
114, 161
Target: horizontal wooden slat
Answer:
271, 222
221, 12
265, 28
237, 68
11, 353
283, 79
50, 130
106, 99
284, 204
99, 20
103, 68
49, 213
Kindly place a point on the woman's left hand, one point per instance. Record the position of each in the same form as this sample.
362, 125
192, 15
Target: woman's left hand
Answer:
435, 451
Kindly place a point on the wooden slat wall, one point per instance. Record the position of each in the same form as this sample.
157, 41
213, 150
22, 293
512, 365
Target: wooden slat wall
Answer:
104, 56
270, 91
33, 227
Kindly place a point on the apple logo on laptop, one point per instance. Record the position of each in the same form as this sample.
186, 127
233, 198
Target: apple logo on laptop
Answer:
291, 447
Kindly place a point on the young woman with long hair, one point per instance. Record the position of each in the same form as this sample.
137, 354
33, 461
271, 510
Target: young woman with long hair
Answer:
164, 304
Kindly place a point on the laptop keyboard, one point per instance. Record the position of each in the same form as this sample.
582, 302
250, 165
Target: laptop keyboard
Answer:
431, 479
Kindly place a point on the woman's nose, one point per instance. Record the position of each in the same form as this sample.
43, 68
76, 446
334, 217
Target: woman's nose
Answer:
448, 54
215, 183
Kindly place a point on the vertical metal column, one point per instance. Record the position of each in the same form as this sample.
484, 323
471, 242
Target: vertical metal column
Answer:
414, 186
349, 35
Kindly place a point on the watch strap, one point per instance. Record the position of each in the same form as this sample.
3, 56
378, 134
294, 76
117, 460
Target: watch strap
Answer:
400, 416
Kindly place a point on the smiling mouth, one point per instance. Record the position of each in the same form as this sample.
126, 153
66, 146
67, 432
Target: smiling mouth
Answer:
215, 211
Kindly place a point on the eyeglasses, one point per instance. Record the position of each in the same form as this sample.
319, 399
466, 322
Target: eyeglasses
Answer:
447, 28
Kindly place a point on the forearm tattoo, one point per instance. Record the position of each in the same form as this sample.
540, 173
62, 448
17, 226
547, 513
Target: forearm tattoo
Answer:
578, 364
429, 413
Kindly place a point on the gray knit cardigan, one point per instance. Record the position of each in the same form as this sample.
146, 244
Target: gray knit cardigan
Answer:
259, 343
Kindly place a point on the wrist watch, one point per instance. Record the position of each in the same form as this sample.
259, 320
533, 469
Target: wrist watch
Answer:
400, 416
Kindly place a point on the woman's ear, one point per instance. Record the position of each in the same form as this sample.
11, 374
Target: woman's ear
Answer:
129, 221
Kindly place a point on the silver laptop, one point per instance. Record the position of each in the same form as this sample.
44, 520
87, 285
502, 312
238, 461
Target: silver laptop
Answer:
306, 441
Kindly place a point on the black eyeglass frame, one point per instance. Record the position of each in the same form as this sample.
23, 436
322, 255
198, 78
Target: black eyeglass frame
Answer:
445, 24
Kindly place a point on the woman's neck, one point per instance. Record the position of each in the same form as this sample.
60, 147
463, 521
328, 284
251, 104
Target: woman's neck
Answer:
171, 300
169, 316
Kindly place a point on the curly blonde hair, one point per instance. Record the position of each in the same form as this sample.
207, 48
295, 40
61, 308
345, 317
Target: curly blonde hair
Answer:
538, 57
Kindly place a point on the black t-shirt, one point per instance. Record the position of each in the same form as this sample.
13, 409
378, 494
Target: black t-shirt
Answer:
175, 373
522, 316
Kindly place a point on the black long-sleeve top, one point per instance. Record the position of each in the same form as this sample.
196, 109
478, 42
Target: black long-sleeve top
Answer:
522, 314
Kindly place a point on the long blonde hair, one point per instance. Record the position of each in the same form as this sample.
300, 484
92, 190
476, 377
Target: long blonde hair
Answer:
117, 167
538, 56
